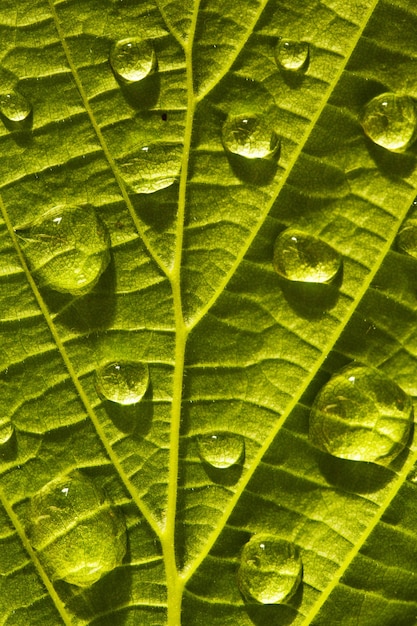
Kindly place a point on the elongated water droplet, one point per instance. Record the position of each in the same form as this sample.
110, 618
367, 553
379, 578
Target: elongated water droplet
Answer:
78, 534
67, 248
292, 55
301, 257
124, 382
407, 238
361, 415
250, 136
270, 569
153, 167
14, 106
390, 121
6, 430
221, 450
132, 59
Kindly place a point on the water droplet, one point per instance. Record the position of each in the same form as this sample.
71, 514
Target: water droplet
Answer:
250, 136
361, 415
407, 238
6, 430
67, 248
132, 59
152, 167
124, 382
270, 569
301, 257
221, 450
292, 55
390, 121
78, 534
14, 106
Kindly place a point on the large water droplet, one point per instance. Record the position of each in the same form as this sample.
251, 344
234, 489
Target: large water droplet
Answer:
221, 450
78, 534
407, 238
292, 55
361, 415
67, 248
6, 430
124, 382
390, 121
132, 59
153, 167
14, 106
300, 257
250, 136
270, 569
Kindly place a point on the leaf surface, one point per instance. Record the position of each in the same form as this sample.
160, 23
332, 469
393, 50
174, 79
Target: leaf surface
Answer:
191, 291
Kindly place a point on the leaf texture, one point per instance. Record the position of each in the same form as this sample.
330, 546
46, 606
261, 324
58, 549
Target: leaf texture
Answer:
191, 291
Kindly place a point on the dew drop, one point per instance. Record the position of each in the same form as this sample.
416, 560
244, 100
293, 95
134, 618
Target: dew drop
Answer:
250, 136
6, 430
301, 257
132, 59
67, 248
153, 167
407, 238
14, 106
221, 450
124, 382
390, 121
292, 55
361, 415
78, 534
270, 569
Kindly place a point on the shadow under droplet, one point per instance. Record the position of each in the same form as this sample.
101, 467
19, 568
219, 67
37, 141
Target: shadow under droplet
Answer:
226, 476
158, 209
394, 165
295, 79
135, 419
254, 171
143, 94
275, 614
310, 300
21, 131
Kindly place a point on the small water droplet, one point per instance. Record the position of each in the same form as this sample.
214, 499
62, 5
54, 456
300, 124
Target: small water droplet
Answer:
407, 238
221, 450
14, 106
124, 382
300, 257
292, 55
67, 248
270, 569
153, 167
390, 121
132, 59
78, 534
250, 136
6, 430
361, 415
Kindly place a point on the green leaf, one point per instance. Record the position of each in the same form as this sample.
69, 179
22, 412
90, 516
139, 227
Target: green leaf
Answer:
233, 350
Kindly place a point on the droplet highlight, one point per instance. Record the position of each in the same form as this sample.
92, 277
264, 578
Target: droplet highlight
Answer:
292, 55
132, 59
14, 106
407, 238
221, 450
77, 533
153, 167
301, 257
361, 415
68, 248
123, 382
270, 570
390, 121
250, 136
